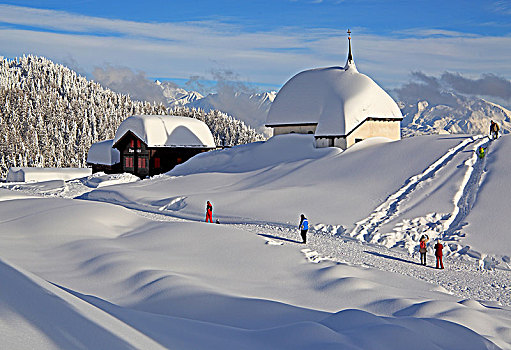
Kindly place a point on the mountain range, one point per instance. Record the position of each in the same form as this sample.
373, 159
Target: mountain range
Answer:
462, 115
250, 108
453, 113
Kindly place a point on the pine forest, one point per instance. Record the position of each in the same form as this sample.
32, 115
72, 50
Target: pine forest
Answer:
50, 115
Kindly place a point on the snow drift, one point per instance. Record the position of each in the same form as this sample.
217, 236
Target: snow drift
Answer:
87, 275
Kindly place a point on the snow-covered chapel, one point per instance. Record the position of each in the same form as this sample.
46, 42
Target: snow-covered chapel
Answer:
339, 105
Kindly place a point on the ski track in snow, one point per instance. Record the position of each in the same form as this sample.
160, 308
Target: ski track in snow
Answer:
461, 277
368, 229
446, 226
467, 193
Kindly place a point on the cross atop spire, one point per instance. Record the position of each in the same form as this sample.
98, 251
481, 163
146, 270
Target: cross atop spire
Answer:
350, 56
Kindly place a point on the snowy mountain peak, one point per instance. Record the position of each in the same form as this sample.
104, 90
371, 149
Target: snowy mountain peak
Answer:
454, 114
267, 96
185, 98
505, 111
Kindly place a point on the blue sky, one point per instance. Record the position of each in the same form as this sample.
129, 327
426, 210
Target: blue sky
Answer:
377, 16
263, 42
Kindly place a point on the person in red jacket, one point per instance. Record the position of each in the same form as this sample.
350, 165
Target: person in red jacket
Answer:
209, 212
439, 254
423, 248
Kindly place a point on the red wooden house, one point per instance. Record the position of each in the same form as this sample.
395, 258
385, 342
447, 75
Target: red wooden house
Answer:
154, 144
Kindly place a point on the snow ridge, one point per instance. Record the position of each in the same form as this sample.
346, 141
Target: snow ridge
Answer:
50, 304
368, 229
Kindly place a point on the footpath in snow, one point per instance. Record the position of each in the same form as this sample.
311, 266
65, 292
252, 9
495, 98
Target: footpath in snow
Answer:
461, 277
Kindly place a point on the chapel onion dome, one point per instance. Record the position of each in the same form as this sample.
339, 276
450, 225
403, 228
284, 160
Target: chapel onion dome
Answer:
336, 99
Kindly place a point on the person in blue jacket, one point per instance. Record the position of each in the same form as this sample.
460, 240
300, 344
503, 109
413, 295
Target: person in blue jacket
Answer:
304, 227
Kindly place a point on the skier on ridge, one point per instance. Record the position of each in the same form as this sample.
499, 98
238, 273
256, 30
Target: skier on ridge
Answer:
494, 130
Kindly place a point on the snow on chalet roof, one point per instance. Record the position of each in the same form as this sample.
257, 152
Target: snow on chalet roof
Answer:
103, 153
167, 131
337, 99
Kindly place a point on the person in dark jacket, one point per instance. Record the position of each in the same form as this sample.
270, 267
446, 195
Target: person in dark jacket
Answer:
304, 227
209, 212
439, 254
494, 130
423, 248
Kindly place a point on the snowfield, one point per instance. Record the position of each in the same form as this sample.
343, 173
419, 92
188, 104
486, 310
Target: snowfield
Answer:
377, 191
130, 264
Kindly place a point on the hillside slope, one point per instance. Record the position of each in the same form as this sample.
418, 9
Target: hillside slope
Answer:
382, 192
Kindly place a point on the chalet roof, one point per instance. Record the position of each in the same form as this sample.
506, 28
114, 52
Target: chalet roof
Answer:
167, 131
103, 153
337, 99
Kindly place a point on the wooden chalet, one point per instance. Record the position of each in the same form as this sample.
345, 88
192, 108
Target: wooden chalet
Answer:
102, 157
152, 144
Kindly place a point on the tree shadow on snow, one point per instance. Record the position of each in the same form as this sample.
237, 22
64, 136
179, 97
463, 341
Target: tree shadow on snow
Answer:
279, 238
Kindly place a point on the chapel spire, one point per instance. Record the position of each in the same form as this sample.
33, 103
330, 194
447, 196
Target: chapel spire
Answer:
350, 56
350, 63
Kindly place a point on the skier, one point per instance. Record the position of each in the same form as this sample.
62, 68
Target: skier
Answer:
494, 130
209, 212
438, 254
423, 248
304, 227
481, 152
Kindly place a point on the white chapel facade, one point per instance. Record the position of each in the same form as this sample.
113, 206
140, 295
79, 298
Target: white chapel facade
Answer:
338, 105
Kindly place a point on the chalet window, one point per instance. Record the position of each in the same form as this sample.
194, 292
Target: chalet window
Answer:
132, 143
142, 163
128, 162
157, 162
139, 144
179, 160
